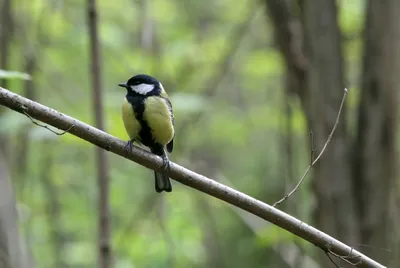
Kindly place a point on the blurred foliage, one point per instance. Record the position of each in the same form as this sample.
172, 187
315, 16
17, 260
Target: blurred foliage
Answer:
229, 119
14, 75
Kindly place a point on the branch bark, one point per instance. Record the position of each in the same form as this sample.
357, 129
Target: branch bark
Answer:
184, 176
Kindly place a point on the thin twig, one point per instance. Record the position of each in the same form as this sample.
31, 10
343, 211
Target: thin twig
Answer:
318, 157
46, 127
311, 147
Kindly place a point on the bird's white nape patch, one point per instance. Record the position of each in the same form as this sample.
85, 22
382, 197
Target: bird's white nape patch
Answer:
143, 89
161, 86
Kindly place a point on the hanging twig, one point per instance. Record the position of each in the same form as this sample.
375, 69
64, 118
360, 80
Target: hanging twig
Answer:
46, 127
346, 257
329, 257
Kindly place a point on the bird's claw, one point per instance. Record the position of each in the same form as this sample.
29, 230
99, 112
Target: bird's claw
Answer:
165, 163
128, 146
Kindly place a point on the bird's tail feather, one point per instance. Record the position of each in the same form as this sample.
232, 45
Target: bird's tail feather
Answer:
162, 182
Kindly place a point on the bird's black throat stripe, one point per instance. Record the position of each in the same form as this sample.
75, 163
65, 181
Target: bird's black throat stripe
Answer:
145, 136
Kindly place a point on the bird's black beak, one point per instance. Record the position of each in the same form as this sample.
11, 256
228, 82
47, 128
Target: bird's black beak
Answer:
123, 85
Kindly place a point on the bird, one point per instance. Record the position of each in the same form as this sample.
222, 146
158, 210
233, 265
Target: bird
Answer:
149, 120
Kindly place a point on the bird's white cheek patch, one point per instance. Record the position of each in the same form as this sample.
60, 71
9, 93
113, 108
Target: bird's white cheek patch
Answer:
143, 89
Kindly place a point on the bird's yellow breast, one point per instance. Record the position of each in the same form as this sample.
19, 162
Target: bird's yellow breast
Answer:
158, 116
131, 124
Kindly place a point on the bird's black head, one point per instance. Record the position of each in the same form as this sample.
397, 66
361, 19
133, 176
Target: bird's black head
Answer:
142, 84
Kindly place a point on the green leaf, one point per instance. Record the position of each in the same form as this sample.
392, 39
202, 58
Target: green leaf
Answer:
14, 75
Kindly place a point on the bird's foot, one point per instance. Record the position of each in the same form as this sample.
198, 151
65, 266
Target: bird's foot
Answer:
128, 146
165, 163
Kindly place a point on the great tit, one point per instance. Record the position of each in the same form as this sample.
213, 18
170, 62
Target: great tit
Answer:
148, 119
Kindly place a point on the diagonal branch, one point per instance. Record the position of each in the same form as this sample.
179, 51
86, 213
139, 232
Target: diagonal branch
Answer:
184, 176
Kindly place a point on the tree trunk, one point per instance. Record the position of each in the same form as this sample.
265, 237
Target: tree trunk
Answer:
375, 146
104, 246
353, 203
5, 40
5, 36
13, 251
20, 161
53, 206
210, 238
334, 211
316, 69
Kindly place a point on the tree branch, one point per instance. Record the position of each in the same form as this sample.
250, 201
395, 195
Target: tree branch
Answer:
184, 176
